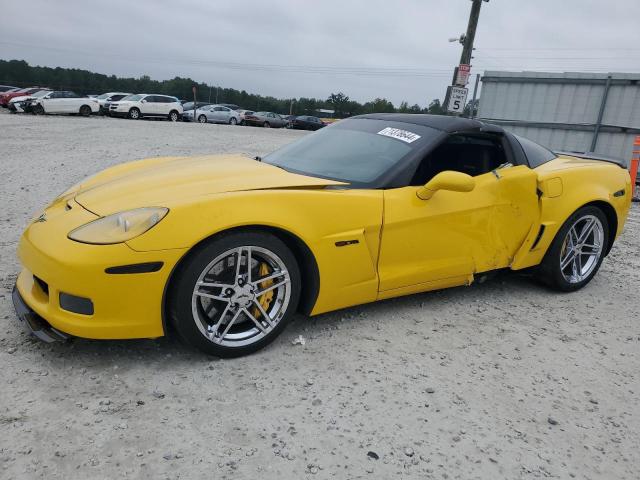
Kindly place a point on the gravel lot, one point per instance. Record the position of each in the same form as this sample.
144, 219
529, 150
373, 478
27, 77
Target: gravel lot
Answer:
504, 379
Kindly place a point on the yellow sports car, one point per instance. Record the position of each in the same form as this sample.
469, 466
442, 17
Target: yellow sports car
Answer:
224, 249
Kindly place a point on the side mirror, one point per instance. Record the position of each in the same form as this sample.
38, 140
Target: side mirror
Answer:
449, 180
143, 101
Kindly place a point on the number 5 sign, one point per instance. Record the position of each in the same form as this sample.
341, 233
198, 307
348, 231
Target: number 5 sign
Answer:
457, 99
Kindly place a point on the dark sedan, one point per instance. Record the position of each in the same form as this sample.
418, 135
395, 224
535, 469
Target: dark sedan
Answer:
306, 122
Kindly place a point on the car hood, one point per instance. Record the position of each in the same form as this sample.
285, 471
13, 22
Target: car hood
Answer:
22, 98
169, 180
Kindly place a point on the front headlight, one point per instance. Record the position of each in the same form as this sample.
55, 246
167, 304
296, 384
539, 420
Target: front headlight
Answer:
119, 227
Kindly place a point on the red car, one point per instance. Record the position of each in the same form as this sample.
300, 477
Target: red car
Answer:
6, 96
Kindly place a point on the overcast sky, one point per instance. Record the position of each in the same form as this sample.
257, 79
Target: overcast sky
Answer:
291, 48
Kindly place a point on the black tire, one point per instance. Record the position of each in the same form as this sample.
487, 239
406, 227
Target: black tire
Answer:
550, 272
202, 119
181, 290
38, 110
85, 110
243, 123
266, 125
134, 114
174, 116
233, 121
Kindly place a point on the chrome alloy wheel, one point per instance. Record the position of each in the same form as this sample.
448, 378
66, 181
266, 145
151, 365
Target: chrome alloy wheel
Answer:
241, 296
582, 249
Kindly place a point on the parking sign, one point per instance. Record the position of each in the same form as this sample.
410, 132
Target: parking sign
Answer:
457, 99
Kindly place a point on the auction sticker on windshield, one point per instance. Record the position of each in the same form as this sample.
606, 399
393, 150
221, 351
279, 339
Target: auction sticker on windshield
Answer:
404, 135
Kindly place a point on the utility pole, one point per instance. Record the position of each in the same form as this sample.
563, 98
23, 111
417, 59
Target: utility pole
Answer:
470, 36
457, 92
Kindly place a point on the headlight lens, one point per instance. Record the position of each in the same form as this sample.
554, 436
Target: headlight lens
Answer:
119, 227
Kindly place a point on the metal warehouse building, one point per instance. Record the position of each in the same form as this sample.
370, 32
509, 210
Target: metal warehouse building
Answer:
566, 111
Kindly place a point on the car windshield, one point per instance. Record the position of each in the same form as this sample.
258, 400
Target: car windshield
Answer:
356, 151
261, 114
132, 98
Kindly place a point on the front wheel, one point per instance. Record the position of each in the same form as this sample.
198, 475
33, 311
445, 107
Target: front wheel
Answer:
85, 110
38, 110
233, 121
235, 295
202, 119
266, 125
134, 114
576, 253
174, 116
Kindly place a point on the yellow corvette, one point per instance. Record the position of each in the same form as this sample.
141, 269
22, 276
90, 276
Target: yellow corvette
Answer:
224, 249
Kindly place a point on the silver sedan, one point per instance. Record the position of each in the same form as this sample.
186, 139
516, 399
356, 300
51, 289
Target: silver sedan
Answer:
213, 114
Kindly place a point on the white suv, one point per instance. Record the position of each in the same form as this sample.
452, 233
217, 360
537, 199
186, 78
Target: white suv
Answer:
62, 101
144, 105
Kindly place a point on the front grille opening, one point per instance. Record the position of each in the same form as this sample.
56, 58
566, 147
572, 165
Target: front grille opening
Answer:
44, 286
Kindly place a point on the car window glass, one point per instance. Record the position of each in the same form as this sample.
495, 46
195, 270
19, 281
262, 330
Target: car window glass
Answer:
358, 151
536, 154
473, 155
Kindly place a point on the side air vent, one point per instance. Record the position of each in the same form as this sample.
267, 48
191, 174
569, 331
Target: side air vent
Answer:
538, 238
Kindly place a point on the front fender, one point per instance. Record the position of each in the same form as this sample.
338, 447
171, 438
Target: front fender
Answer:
340, 227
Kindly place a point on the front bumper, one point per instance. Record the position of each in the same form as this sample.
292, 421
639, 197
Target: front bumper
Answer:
37, 325
124, 305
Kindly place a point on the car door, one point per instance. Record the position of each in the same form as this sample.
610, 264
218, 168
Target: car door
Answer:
279, 121
445, 240
148, 105
54, 103
163, 105
72, 102
225, 114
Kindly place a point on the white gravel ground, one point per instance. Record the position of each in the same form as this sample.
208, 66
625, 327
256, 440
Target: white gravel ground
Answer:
501, 380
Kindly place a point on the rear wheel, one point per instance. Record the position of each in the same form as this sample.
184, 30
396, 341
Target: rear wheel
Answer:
85, 110
233, 121
134, 114
202, 119
235, 295
577, 252
174, 116
266, 125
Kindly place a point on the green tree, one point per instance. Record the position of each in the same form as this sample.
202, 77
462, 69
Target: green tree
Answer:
338, 101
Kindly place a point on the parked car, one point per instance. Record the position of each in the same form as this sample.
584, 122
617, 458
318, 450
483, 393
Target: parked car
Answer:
7, 88
265, 119
242, 112
22, 104
433, 202
64, 101
305, 122
8, 95
146, 105
213, 114
106, 99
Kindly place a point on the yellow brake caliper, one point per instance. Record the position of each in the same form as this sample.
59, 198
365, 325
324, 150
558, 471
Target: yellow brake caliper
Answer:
265, 299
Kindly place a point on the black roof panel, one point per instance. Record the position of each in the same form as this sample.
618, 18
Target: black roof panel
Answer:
439, 122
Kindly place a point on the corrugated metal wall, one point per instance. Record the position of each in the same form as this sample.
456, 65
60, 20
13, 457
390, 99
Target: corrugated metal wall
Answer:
560, 110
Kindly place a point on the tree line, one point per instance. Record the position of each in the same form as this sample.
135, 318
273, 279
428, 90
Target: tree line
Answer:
21, 74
